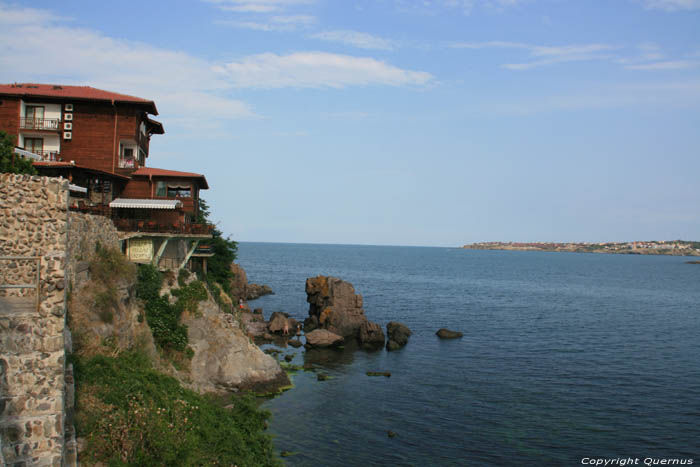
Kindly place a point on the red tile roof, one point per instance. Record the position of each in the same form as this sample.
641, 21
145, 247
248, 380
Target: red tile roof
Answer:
73, 92
154, 172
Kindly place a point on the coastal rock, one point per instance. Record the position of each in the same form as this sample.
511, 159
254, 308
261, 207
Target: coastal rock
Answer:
448, 334
371, 335
295, 343
253, 324
310, 323
224, 358
323, 338
240, 288
277, 322
398, 335
335, 305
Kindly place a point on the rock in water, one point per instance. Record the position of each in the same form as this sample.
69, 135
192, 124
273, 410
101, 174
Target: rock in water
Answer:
323, 338
371, 335
398, 335
277, 322
240, 288
335, 306
447, 334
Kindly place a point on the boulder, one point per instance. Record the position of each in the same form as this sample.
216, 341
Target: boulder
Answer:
310, 323
240, 288
398, 335
277, 323
448, 334
323, 338
371, 335
294, 343
335, 305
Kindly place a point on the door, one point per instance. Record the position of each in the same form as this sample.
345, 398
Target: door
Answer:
35, 117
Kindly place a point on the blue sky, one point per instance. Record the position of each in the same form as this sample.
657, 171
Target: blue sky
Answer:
433, 122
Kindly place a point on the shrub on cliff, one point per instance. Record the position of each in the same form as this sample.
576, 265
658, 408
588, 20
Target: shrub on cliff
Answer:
224, 249
132, 415
11, 163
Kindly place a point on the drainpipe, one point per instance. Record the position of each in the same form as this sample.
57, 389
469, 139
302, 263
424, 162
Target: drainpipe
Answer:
114, 148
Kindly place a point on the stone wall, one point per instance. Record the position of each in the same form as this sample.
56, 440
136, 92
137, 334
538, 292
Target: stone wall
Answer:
33, 222
85, 233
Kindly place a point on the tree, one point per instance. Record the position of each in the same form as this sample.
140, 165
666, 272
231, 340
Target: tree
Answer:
10, 162
225, 250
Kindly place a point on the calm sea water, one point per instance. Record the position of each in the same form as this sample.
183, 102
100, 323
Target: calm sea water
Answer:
564, 356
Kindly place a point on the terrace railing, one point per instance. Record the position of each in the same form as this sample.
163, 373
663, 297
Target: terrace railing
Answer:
51, 124
136, 225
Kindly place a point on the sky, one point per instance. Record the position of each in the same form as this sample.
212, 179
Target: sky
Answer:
401, 122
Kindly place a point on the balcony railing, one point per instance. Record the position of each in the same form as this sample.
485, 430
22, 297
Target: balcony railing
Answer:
39, 123
136, 225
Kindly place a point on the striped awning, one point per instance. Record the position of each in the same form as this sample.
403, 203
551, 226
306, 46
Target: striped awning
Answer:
134, 203
77, 189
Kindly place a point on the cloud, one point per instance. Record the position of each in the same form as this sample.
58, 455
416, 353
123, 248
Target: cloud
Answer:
466, 6
543, 55
182, 86
665, 65
672, 5
316, 70
257, 6
356, 39
629, 95
275, 23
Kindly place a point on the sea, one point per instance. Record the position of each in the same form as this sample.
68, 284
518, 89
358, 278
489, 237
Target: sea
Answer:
566, 358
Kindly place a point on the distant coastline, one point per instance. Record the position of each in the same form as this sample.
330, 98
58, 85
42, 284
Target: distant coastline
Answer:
654, 247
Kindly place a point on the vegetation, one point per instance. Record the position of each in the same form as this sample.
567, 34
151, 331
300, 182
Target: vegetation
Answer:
10, 162
133, 415
225, 250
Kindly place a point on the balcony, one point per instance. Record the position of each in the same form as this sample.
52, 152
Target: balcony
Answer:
150, 226
42, 155
45, 124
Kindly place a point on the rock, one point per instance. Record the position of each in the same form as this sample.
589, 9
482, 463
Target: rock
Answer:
254, 291
224, 358
310, 323
322, 377
288, 358
379, 373
391, 434
240, 288
371, 335
335, 305
278, 321
258, 311
295, 343
323, 338
268, 337
398, 335
254, 325
447, 334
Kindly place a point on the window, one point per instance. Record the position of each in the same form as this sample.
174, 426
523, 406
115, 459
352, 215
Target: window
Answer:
176, 191
160, 189
35, 145
126, 161
34, 112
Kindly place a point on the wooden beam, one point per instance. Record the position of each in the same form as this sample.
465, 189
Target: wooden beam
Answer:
161, 249
189, 253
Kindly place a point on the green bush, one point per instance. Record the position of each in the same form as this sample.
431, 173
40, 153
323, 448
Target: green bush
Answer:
132, 415
190, 295
110, 265
12, 163
182, 276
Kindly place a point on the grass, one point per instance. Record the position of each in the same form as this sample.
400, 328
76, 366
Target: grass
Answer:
132, 415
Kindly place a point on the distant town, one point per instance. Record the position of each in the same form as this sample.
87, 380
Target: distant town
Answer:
654, 247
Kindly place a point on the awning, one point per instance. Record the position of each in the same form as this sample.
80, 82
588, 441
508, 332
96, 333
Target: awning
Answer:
175, 186
145, 203
27, 154
76, 188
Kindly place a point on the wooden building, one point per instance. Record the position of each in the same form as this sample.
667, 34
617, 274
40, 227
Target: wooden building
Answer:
99, 140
